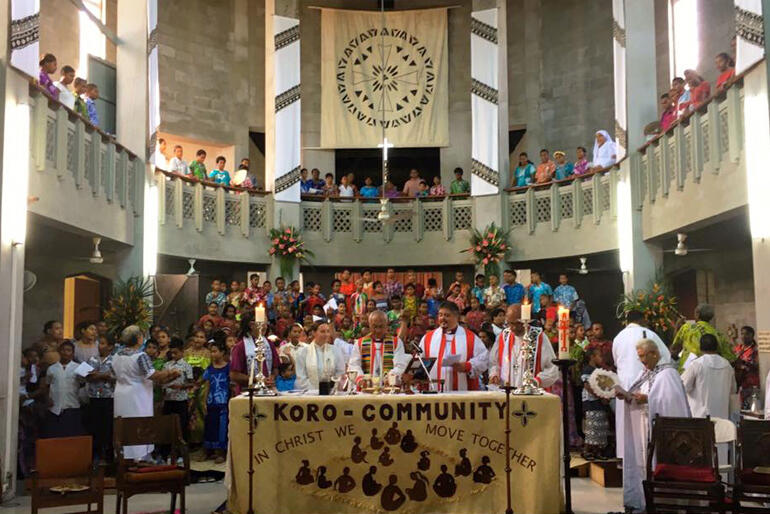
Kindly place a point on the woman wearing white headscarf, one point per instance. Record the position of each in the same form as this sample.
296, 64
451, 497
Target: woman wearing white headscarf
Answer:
605, 151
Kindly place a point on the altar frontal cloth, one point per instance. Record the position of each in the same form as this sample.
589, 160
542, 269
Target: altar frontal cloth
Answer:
406, 454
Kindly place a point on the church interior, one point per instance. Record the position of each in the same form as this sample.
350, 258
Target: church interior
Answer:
422, 256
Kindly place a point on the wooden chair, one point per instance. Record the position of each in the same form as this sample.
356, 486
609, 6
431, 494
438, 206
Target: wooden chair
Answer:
66, 461
682, 467
133, 478
752, 486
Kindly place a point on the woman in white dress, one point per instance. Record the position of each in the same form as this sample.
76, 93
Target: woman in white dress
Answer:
135, 377
605, 151
318, 361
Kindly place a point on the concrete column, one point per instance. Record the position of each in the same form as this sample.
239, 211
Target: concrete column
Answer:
756, 121
131, 114
639, 260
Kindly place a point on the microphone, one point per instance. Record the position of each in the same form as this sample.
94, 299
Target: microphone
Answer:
415, 347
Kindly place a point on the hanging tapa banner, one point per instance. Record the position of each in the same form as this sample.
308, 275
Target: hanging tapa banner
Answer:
409, 454
391, 75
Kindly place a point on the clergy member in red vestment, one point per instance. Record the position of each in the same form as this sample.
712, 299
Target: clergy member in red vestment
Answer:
450, 340
507, 348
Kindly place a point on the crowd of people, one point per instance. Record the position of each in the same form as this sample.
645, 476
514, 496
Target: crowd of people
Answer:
560, 168
213, 358
196, 169
75, 93
414, 187
689, 93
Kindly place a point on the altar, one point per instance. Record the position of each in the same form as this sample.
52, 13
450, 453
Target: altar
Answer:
395, 453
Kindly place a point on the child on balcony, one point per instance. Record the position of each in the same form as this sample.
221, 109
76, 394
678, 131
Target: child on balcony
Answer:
219, 175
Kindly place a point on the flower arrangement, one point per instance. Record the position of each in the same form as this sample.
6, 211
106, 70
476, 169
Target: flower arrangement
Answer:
130, 305
287, 246
489, 248
658, 305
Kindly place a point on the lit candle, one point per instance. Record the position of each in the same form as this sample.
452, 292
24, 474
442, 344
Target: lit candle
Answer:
526, 311
259, 313
563, 332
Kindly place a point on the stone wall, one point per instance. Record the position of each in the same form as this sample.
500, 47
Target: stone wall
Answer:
60, 32
204, 70
560, 72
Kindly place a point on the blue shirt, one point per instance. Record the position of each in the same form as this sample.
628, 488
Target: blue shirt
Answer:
220, 177
370, 192
535, 292
524, 175
563, 171
565, 295
514, 293
92, 114
305, 186
478, 292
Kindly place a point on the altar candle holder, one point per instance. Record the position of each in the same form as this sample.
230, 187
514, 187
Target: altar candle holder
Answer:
529, 385
260, 355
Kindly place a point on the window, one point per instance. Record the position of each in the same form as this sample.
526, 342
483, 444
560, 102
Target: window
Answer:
92, 41
683, 38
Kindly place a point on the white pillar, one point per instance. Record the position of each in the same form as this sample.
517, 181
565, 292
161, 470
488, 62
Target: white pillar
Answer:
132, 113
757, 133
635, 105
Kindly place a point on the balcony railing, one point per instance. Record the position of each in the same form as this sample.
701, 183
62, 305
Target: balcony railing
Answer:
578, 200
696, 169
78, 164
415, 220
186, 202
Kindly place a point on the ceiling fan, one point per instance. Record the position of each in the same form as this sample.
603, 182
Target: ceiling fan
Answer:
584, 269
681, 246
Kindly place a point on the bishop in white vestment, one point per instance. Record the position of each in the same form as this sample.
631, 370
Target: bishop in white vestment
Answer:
658, 390
451, 342
627, 362
505, 355
318, 361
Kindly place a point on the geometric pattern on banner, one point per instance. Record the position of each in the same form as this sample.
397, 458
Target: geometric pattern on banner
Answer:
750, 34
287, 98
286, 37
287, 108
288, 180
485, 175
485, 172
24, 36
484, 31
25, 31
484, 91
749, 26
384, 72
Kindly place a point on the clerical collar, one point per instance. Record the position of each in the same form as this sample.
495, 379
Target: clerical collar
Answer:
450, 332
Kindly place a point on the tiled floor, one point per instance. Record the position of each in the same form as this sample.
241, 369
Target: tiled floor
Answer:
587, 498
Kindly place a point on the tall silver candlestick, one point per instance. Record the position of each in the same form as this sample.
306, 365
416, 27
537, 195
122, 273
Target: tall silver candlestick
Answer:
529, 386
260, 355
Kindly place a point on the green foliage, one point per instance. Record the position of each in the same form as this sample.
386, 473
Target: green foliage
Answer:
130, 304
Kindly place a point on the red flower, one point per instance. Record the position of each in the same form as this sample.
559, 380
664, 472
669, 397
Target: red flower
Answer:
485, 261
281, 246
288, 231
291, 249
272, 251
485, 243
275, 241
